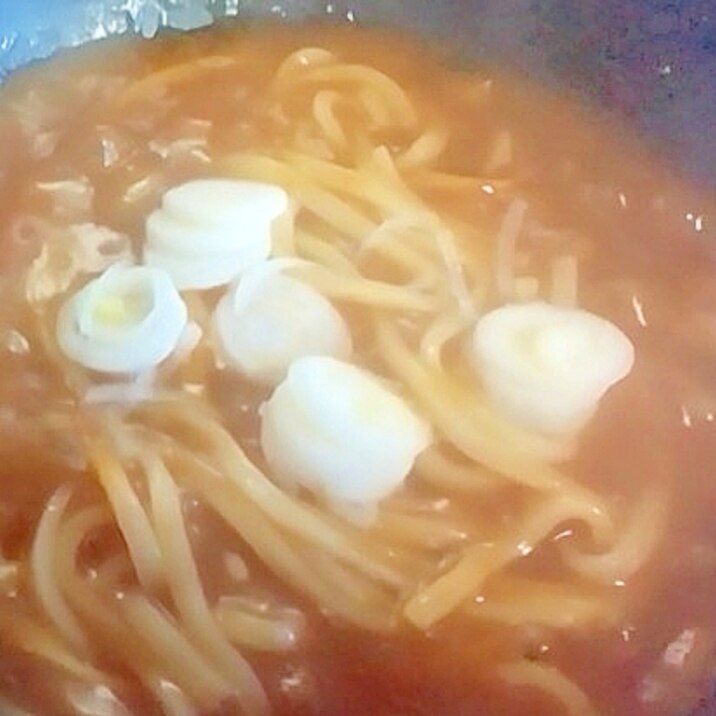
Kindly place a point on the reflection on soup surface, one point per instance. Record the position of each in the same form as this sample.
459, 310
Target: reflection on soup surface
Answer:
339, 379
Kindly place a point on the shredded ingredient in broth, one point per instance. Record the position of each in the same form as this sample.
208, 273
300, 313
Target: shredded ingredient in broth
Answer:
332, 397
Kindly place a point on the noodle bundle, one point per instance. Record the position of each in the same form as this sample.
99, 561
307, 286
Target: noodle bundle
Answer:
116, 554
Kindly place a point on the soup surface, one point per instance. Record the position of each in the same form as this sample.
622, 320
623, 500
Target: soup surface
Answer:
161, 551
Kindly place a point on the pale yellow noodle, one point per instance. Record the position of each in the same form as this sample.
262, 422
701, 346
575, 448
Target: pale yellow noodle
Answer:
635, 545
470, 187
326, 253
364, 291
388, 91
425, 149
336, 213
364, 183
443, 329
372, 606
290, 513
435, 468
470, 424
255, 631
550, 680
166, 77
480, 560
516, 601
186, 589
286, 557
103, 613
44, 571
401, 242
324, 104
166, 642
375, 108
47, 644
297, 63
426, 532
129, 512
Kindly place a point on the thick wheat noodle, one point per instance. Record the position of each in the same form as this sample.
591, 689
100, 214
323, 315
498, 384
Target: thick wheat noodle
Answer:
455, 270
101, 610
256, 631
284, 557
395, 240
521, 601
479, 561
375, 108
550, 680
114, 569
365, 291
324, 113
131, 518
452, 258
367, 596
636, 543
214, 481
45, 571
425, 149
473, 187
363, 183
35, 638
381, 163
442, 330
422, 531
186, 589
444, 473
402, 110
314, 248
335, 212
473, 428
259, 167
171, 648
297, 63
307, 522
166, 77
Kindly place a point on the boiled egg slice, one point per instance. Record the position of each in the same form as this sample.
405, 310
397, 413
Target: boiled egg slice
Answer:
547, 367
209, 231
337, 430
268, 320
127, 320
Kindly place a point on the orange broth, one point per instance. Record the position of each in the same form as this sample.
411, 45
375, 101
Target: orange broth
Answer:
647, 263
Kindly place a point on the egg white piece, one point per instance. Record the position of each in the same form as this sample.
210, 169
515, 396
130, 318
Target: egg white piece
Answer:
547, 367
337, 430
127, 320
268, 320
208, 231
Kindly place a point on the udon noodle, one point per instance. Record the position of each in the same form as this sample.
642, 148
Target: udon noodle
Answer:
494, 531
